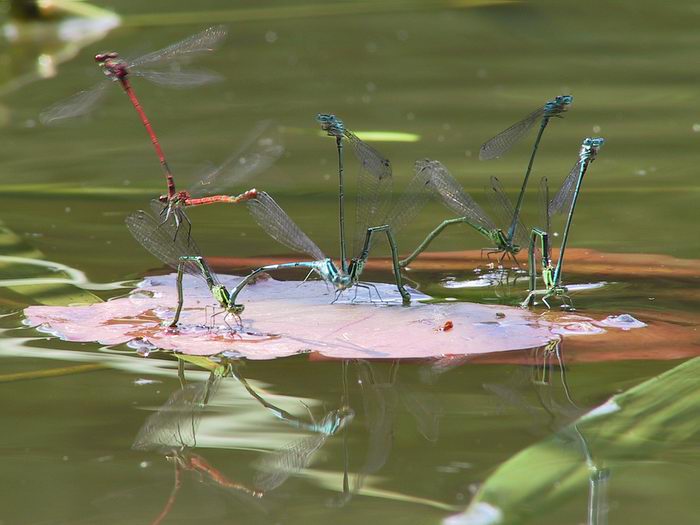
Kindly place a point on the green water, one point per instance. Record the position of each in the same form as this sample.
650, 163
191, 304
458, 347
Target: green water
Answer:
423, 439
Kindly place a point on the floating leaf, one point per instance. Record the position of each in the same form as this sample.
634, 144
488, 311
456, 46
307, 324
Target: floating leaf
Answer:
287, 317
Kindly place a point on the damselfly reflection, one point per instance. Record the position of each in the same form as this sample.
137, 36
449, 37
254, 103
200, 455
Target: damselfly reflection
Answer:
172, 430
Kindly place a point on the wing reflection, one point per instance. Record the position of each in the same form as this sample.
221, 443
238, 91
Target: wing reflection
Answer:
173, 430
547, 377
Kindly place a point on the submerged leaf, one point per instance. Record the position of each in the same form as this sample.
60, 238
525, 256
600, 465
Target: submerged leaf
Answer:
579, 261
649, 419
43, 281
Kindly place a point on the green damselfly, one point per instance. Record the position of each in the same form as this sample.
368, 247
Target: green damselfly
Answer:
506, 139
563, 201
182, 253
371, 219
374, 180
443, 185
178, 251
275, 221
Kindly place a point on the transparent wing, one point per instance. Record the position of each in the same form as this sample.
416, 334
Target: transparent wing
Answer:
261, 150
506, 139
205, 41
372, 203
79, 104
278, 225
414, 197
451, 194
162, 237
274, 469
379, 403
372, 161
175, 424
565, 196
179, 79
425, 410
503, 207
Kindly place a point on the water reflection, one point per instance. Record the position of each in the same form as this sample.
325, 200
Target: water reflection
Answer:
552, 464
598, 480
173, 430
544, 376
547, 360
274, 469
372, 390
382, 395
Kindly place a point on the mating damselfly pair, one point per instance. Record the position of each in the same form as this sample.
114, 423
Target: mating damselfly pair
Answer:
167, 231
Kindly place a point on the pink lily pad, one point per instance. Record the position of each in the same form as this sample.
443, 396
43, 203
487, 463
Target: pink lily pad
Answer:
284, 318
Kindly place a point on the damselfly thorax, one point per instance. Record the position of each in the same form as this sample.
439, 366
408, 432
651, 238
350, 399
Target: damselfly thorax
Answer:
330, 273
500, 240
355, 268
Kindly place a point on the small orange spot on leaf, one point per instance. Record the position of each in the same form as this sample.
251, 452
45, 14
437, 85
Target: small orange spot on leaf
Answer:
448, 325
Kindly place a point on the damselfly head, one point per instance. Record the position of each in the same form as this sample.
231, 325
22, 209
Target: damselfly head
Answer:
558, 106
103, 57
590, 147
112, 66
595, 142
330, 124
564, 100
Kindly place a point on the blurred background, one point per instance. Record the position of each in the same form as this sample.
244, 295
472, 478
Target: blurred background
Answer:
431, 78
449, 75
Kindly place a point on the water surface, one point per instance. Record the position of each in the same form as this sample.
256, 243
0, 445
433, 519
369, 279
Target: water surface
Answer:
423, 437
